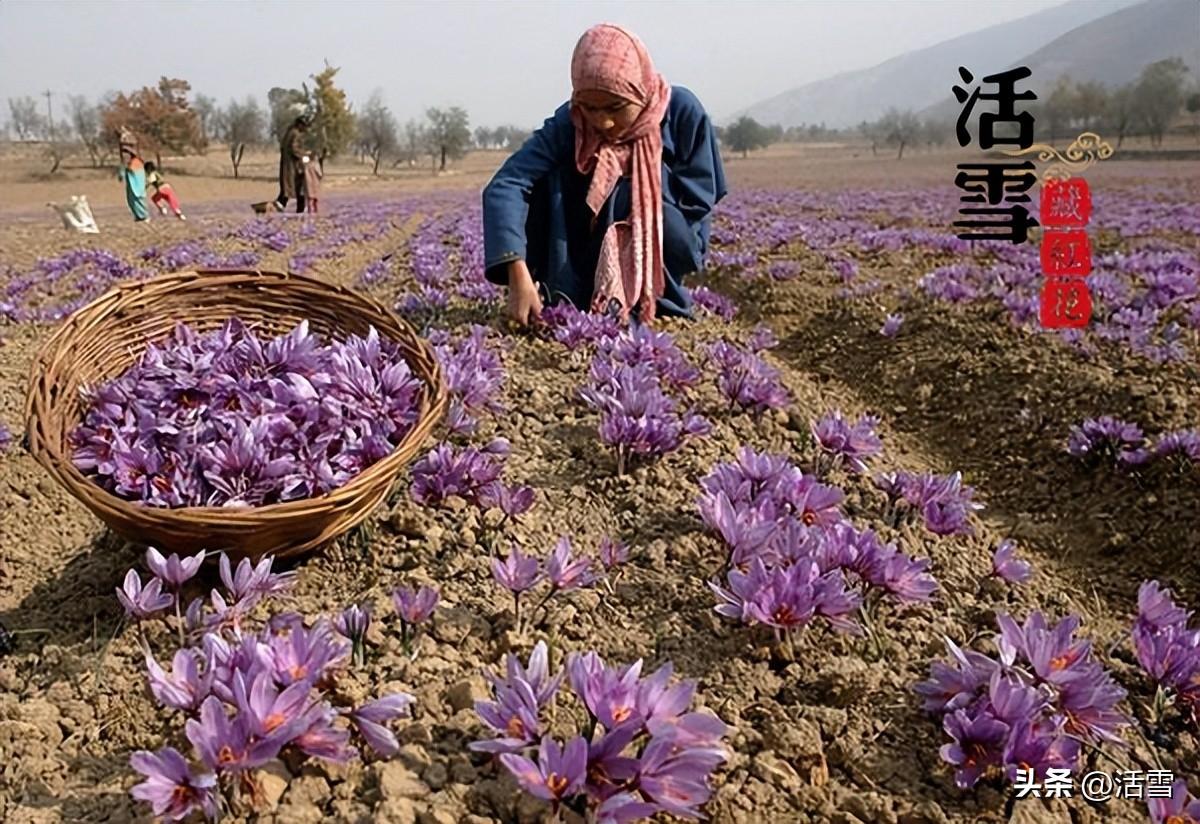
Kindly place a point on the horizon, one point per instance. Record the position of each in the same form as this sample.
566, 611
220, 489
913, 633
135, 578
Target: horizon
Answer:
698, 45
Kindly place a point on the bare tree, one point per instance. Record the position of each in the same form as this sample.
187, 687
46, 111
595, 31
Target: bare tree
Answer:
900, 128
27, 121
1091, 100
1193, 107
242, 125
1060, 108
411, 145
449, 134
208, 111
1158, 96
85, 122
377, 130
1118, 114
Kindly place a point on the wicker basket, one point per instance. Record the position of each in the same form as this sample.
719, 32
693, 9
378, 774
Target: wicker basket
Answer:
105, 338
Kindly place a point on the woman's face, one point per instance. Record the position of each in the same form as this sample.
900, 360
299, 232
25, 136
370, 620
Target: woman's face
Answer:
609, 114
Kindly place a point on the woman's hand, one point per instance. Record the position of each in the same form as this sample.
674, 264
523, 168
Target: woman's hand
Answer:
524, 302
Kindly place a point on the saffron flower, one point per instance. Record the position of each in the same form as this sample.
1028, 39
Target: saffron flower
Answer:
142, 602
565, 572
188, 683
1027, 708
1181, 808
372, 718
1009, 568
352, 623
637, 417
415, 607
654, 754
173, 571
557, 775
846, 442
170, 787
891, 326
1108, 438
227, 744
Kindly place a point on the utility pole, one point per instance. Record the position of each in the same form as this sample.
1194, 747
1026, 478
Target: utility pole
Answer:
50, 112
53, 143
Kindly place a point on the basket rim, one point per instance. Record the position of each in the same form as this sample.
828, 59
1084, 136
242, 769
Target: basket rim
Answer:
434, 403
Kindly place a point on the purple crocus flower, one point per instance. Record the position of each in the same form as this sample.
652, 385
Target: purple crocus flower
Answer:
1010, 700
714, 303
559, 772
1183, 444
852, 443
736, 602
253, 581
664, 706
745, 379
977, 744
300, 654
513, 715
624, 807
1105, 436
6, 438
607, 768
907, 579
956, 683
415, 606
1157, 610
891, 326
1088, 701
677, 780
1039, 747
352, 623
142, 602
323, 738
536, 674
1007, 567
816, 503
188, 683
226, 744
516, 573
173, 571
170, 787
613, 553
566, 573
1181, 808
513, 501
267, 711
372, 718
609, 694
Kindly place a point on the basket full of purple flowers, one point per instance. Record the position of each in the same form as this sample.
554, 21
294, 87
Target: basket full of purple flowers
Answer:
252, 412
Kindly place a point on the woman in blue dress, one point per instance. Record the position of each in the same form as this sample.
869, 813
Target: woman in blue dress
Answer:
608, 204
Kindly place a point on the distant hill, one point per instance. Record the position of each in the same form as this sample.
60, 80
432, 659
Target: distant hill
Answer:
1112, 50
923, 78
1115, 48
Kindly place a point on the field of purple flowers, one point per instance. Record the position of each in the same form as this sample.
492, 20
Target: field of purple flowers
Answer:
857, 545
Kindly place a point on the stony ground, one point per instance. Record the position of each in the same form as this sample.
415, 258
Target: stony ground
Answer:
832, 736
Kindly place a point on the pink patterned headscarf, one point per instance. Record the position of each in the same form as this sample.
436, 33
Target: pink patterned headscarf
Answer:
609, 58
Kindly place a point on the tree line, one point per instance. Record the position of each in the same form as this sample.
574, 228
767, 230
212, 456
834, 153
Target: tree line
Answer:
1147, 106
167, 119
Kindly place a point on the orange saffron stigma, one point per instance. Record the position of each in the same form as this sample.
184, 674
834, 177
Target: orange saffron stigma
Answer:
225, 755
515, 728
621, 713
273, 720
556, 783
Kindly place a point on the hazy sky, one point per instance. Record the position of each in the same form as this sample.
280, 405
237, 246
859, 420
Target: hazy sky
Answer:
505, 62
